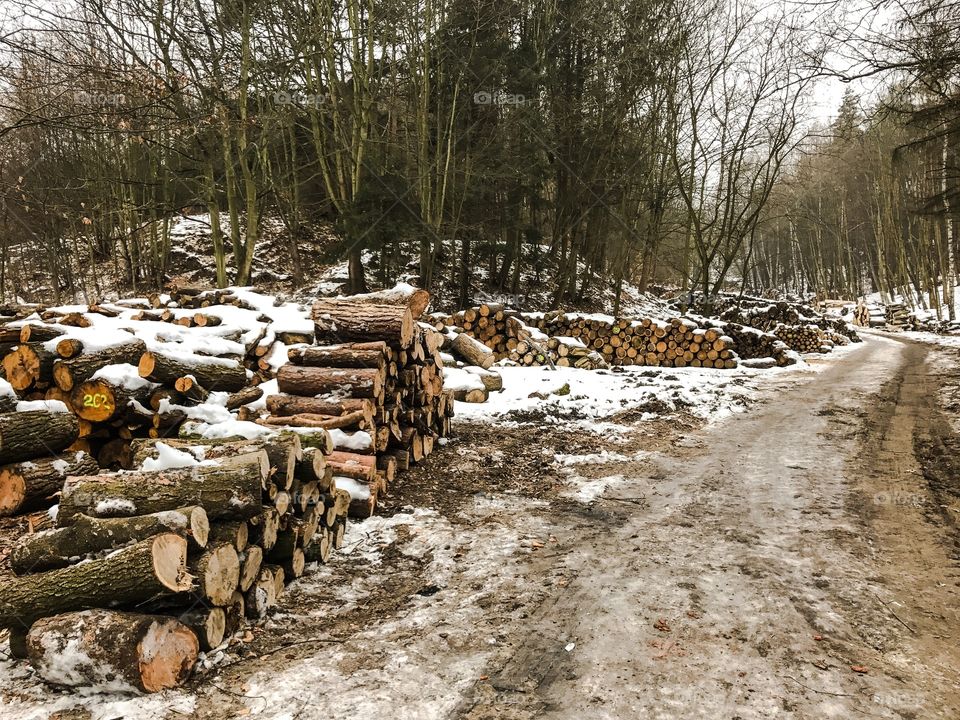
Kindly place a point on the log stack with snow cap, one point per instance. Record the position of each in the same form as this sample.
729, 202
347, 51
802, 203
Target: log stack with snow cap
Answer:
203, 529
377, 386
593, 341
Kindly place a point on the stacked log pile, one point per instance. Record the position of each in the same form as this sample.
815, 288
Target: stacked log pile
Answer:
768, 315
592, 341
378, 387
752, 344
869, 315
199, 540
804, 338
126, 372
647, 341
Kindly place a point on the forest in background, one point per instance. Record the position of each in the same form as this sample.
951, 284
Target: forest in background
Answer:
595, 143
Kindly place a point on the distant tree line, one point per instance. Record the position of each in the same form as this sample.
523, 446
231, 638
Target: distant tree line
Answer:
587, 143
872, 204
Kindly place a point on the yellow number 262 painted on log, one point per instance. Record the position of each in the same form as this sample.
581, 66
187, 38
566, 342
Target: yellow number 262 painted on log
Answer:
96, 400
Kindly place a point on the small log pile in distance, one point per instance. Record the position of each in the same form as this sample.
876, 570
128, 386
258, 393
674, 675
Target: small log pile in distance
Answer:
567, 339
756, 348
868, 314
378, 387
804, 338
768, 315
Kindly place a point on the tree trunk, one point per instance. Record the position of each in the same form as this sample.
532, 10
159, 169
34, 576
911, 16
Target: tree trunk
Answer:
60, 547
475, 353
345, 320
337, 356
67, 374
229, 490
283, 451
112, 651
286, 405
151, 568
209, 625
27, 364
211, 372
35, 433
27, 485
218, 573
100, 400
311, 381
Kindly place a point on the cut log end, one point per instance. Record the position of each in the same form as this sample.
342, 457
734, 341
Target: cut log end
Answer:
167, 655
169, 560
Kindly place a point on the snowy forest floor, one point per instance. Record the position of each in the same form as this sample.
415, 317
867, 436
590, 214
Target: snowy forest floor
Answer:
649, 552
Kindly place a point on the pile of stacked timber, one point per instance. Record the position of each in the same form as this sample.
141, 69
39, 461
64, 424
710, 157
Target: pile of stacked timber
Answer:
127, 372
755, 347
804, 338
592, 341
486, 323
767, 315
202, 537
378, 388
622, 341
896, 315
869, 314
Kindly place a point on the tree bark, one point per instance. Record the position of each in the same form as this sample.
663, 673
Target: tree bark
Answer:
285, 405
338, 356
35, 433
67, 374
473, 352
346, 320
114, 651
214, 374
60, 547
310, 381
151, 568
229, 490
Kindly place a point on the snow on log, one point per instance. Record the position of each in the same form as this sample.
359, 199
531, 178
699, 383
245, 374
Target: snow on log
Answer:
60, 547
67, 374
27, 485
415, 299
109, 651
283, 450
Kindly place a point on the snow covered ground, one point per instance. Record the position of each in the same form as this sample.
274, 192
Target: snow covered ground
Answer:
595, 399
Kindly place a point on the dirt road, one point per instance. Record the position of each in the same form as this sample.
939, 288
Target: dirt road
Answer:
795, 561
